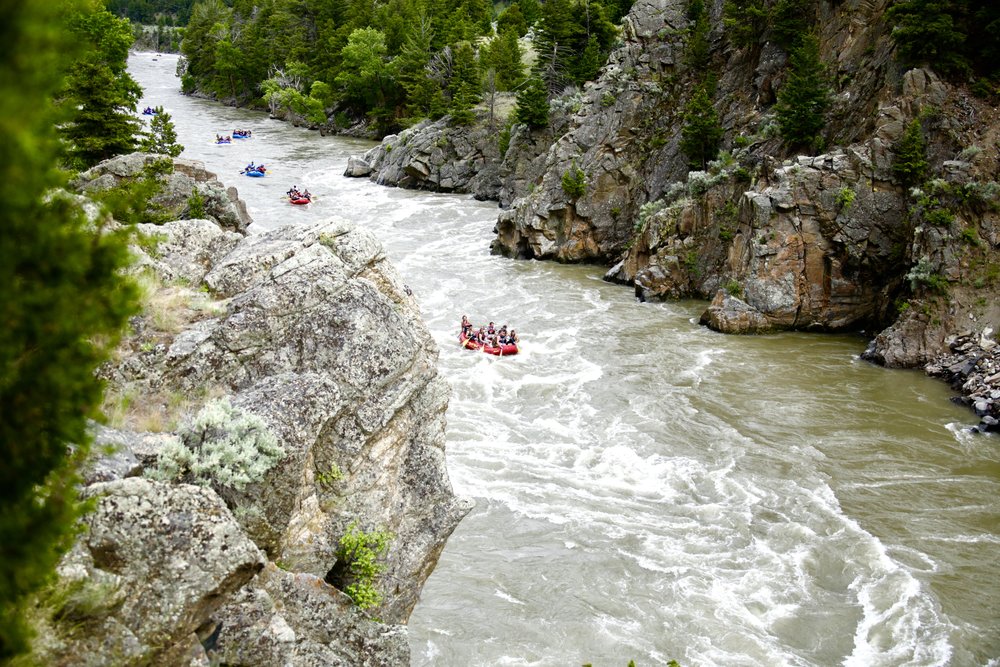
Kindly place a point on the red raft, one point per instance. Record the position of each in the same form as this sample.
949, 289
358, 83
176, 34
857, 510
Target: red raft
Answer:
300, 201
499, 350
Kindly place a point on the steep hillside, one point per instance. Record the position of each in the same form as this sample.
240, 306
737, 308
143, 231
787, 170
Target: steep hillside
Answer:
684, 168
830, 241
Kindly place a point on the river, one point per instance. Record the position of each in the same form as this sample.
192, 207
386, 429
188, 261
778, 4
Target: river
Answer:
647, 489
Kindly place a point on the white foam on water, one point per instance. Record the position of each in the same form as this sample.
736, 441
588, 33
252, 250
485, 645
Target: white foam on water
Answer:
507, 597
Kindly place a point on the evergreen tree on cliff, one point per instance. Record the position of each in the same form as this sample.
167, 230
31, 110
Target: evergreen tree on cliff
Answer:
100, 95
63, 305
533, 103
702, 131
805, 98
925, 34
162, 136
464, 84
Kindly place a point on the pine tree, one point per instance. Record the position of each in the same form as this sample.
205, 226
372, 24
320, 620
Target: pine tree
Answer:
925, 34
162, 137
910, 161
503, 54
745, 21
63, 304
100, 94
512, 19
805, 98
533, 104
464, 84
702, 132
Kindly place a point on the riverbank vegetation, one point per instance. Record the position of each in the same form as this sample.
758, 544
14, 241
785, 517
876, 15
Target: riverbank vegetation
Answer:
392, 64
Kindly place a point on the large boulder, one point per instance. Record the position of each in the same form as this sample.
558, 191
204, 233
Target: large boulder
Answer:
185, 178
436, 155
322, 339
155, 564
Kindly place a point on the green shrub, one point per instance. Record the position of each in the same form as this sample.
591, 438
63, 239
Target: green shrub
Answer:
939, 217
195, 206
734, 287
922, 274
358, 566
574, 182
971, 236
503, 139
647, 211
222, 446
845, 197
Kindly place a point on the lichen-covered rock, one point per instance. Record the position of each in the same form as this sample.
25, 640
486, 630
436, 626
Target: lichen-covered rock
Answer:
297, 620
187, 177
158, 561
186, 249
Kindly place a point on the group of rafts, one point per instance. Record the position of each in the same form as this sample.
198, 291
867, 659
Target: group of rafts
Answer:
237, 134
488, 339
296, 196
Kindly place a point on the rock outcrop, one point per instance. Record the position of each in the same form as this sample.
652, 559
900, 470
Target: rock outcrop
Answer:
185, 178
437, 156
443, 157
311, 331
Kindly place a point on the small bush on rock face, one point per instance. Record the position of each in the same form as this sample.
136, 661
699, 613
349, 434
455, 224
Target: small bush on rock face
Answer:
223, 445
845, 197
574, 182
357, 565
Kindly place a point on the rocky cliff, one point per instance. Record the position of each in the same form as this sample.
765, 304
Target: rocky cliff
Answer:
830, 241
204, 550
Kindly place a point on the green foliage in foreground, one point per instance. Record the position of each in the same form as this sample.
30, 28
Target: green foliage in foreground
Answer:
358, 565
131, 201
64, 303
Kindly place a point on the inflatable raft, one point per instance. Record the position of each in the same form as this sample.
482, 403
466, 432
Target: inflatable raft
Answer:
499, 350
